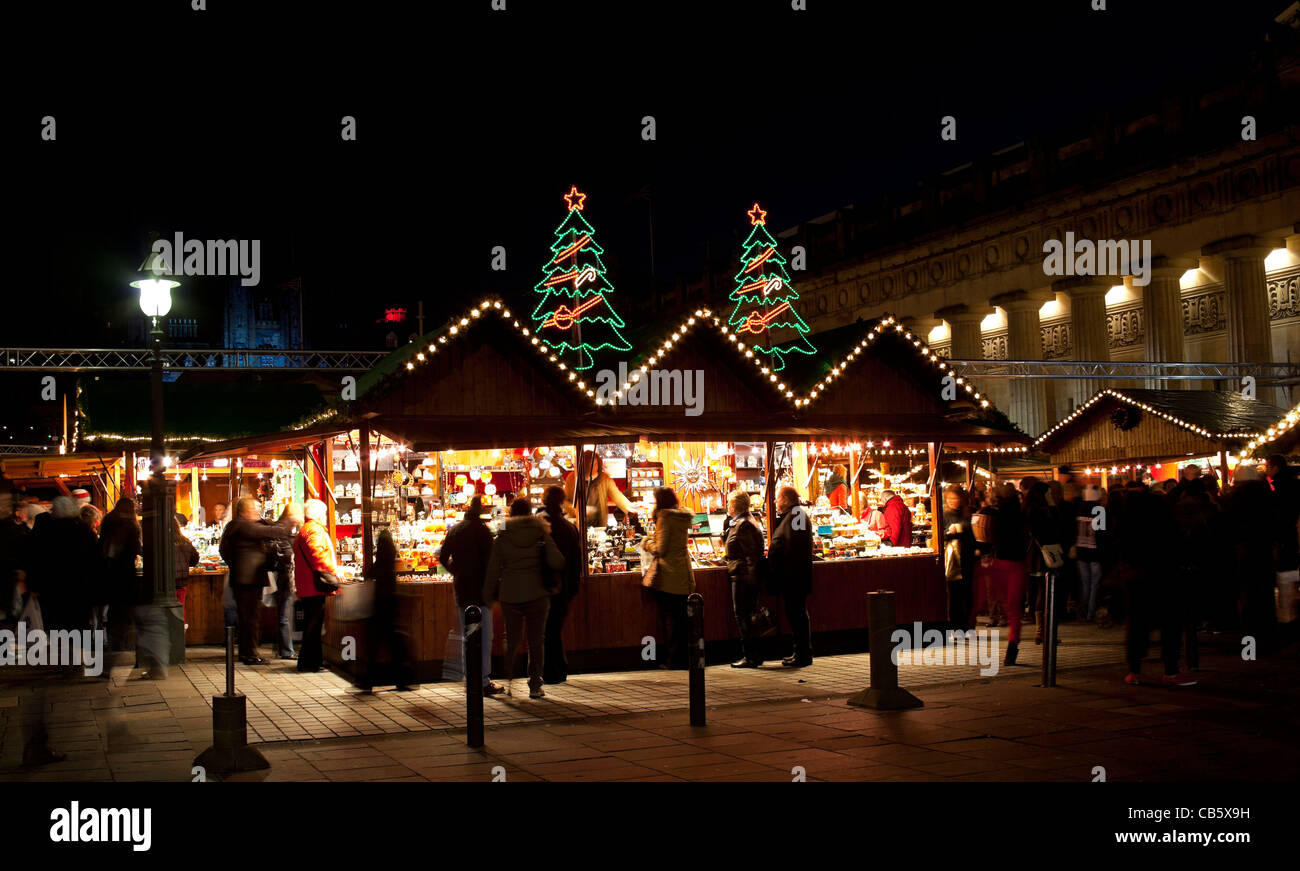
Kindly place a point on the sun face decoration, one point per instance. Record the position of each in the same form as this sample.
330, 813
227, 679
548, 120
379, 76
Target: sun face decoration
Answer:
690, 476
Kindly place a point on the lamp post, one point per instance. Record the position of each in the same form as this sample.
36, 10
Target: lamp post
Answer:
155, 285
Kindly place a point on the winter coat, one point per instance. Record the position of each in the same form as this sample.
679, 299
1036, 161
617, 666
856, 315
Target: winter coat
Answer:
313, 552
465, 552
898, 522
184, 557
523, 559
279, 551
119, 543
791, 551
670, 564
244, 548
566, 539
64, 558
744, 551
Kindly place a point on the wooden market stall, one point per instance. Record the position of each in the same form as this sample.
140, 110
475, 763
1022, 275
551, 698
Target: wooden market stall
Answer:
483, 383
1126, 431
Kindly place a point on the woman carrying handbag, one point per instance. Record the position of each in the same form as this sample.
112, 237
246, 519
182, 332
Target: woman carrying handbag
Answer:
668, 576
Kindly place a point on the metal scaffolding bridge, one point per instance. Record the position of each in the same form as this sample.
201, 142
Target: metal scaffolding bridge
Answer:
1263, 373
141, 359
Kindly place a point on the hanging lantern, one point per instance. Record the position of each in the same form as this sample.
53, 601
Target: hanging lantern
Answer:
461, 480
468, 490
490, 489
485, 476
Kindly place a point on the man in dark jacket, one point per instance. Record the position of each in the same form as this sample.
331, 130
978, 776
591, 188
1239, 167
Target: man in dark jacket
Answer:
64, 557
280, 552
465, 553
566, 539
790, 561
244, 549
744, 553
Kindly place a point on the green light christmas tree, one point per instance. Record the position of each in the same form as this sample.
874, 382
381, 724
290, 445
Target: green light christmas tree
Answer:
574, 313
764, 297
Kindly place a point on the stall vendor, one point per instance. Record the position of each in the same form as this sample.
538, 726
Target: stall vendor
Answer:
601, 490
837, 489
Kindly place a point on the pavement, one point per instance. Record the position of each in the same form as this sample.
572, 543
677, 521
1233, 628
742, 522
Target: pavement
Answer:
766, 724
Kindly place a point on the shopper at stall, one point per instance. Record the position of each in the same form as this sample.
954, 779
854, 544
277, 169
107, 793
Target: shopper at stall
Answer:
897, 519
244, 547
566, 539
218, 513
382, 632
12, 544
119, 544
92, 517
669, 576
64, 557
1146, 543
790, 557
1010, 545
313, 556
601, 491
465, 553
960, 570
185, 557
1087, 550
523, 561
744, 553
280, 551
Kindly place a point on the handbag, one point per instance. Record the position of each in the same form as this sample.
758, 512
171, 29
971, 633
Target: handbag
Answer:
1052, 556
649, 566
325, 582
952, 560
761, 622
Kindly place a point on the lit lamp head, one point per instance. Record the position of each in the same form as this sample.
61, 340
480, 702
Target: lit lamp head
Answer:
155, 285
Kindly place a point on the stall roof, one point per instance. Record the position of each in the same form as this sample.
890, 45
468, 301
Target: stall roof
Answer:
1192, 421
486, 380
1282, 436
280, 444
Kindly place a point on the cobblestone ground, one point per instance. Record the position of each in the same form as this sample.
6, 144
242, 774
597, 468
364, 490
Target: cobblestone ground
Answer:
633, 725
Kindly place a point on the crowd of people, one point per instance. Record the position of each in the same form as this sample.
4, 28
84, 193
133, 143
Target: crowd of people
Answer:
1180, 556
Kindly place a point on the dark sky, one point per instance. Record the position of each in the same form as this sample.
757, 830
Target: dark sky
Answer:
472, 124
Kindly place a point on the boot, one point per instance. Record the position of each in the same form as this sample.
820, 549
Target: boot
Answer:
1013, 649
1038, 627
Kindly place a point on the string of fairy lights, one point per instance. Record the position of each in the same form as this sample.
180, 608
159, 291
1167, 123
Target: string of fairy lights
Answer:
839, 368
1112, 393
1273, 433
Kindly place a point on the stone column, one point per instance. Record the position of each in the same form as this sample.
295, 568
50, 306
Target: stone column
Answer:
964, 326
1025, 342
1245, 293
1089, 338
1162, 316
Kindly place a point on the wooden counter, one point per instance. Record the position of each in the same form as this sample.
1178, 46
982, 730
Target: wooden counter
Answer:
613, 613
206, 616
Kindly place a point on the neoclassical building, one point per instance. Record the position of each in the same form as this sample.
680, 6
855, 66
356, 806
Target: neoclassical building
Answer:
1209, 178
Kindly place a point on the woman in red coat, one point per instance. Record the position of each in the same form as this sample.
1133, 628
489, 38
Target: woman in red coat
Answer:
312, 552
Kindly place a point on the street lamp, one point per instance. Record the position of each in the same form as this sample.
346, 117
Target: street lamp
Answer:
155, 285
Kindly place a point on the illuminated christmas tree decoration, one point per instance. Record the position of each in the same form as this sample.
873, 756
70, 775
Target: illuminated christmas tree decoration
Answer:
574, 302
773, 309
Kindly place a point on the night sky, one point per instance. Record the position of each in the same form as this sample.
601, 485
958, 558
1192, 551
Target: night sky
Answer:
472, 124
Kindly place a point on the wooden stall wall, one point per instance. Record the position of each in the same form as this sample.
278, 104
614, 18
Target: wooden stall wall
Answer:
1098, 440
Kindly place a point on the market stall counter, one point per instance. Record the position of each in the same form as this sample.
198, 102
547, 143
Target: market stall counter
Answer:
613, 614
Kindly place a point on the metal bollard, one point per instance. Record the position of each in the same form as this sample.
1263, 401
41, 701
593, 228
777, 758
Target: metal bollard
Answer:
230, 751
1049, 632
883, 693
473, 676
695, 657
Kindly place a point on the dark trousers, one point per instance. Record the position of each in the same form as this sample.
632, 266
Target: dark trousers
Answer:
744, 599
674, 628
961, 605
557, 667
310, 656
382, 633
284, 605
1150, 609
248, 601
529, 617
796, 612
